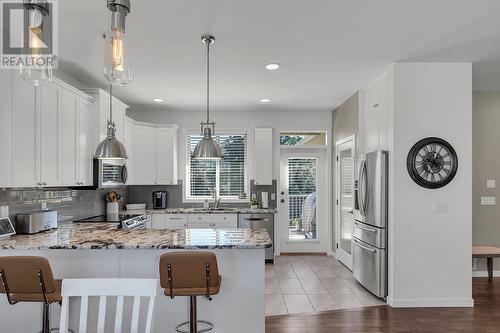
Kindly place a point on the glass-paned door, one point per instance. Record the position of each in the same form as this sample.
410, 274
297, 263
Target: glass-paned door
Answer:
302, 214
345, 199
302, 211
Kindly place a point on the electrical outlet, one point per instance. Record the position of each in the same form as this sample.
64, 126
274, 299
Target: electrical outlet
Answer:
488, 201
491, 183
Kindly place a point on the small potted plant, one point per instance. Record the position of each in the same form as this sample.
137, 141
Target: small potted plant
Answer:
254, 203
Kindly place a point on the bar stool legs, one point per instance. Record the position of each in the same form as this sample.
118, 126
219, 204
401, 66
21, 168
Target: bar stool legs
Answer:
193, 321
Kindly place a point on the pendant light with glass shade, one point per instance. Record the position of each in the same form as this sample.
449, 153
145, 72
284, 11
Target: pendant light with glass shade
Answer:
119, 75
116, 67
40, 70
207, 148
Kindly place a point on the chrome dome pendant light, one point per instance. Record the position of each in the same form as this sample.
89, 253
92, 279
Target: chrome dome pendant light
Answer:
208, 148
111, 147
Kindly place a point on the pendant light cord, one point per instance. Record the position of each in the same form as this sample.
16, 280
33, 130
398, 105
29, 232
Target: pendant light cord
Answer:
208, 80
111, 102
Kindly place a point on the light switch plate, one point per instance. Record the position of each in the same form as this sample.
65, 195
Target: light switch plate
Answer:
273, 196
441, 208
488, 201
491, 183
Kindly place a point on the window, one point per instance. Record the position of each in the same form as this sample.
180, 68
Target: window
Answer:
227, 175
303, 139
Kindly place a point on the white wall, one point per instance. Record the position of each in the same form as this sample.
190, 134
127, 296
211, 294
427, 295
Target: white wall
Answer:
430, 253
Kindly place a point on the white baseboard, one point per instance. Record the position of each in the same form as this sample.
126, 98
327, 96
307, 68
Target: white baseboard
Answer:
431, 303
485, 273
330, 253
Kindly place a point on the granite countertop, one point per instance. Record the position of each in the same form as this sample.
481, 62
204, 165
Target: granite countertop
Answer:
85, 236
204, 211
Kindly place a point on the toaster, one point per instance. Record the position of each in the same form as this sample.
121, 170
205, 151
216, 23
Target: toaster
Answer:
36, 221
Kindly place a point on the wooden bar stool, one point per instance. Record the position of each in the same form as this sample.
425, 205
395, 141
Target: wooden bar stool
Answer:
30, 279
190, 274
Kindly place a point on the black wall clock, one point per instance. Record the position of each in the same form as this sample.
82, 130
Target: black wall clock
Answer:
432, 163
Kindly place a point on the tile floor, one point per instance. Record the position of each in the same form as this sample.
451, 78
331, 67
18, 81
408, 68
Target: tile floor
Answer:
299, 284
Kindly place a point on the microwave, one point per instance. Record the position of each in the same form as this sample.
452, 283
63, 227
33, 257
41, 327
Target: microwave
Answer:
109, 173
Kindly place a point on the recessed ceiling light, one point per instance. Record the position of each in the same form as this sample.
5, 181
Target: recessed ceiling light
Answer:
265, 100
272, 67
158, 100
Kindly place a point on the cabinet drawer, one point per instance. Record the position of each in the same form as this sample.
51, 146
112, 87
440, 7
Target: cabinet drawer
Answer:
212, 218
176, 221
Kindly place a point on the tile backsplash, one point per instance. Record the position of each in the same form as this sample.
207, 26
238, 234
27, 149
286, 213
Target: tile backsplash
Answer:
76, 204
143, 194
70, 204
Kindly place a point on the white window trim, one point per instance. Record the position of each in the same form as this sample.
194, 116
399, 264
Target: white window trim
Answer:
234, 199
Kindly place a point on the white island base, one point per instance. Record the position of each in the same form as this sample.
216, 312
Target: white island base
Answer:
239, 307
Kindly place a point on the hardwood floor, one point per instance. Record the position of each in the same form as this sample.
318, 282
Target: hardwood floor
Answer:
484, 317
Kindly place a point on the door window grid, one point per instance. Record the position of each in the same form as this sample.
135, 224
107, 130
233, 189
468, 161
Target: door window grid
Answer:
302, 198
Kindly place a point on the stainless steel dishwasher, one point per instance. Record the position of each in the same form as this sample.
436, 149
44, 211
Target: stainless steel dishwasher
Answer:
259, 221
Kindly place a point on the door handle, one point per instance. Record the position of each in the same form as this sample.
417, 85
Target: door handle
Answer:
364, 247
365, 228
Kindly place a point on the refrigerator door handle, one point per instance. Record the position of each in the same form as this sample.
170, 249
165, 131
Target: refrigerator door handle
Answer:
365, 228
363, 247
362, 188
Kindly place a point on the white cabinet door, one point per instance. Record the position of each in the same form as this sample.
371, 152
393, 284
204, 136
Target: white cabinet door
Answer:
128, 141
68, 153
144, 149
263, 156
24, 130
371, 121
49, 125
225, 224
6, 127
166, 156
176, 221
200, 225
157, 221
119, 119
85, 142
376, 117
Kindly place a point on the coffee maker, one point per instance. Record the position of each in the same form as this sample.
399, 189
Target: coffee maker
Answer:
159, 199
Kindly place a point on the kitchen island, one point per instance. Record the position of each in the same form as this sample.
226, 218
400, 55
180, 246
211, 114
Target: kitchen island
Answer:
101, 250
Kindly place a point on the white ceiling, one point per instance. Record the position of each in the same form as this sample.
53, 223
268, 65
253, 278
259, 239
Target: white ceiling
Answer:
328, 49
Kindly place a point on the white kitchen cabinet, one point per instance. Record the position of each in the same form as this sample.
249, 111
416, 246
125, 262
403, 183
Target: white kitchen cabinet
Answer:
68, 137
176, 221
101, 105
49, 129
375, 115
217, 219
24, 134
157, 221
6, 128
166, 156
144, 148
200, 225
85, 142
154, 154
263, 156
128, 142
43, 146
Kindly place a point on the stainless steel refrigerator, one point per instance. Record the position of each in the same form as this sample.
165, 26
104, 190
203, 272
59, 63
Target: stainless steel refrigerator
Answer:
370, 223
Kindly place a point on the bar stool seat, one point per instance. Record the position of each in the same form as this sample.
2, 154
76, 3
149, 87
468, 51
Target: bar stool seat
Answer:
192, 274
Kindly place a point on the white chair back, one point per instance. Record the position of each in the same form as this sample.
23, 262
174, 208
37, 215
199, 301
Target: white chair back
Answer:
104, 288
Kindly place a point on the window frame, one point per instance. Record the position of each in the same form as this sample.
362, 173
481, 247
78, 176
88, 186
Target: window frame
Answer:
187, 198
